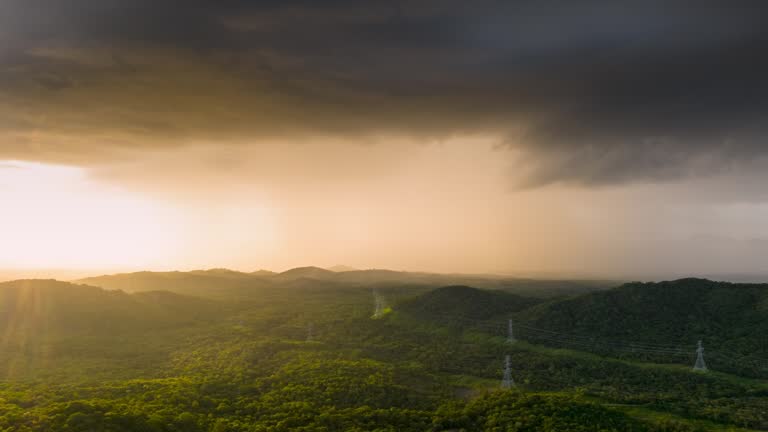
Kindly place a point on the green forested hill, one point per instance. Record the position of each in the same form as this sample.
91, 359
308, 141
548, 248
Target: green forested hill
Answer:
731, 317
36, 306
465, 302
674, 312
656, 322
73, 332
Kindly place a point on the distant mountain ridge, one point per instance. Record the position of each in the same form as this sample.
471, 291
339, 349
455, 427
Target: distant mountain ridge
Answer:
228, 283
203, 283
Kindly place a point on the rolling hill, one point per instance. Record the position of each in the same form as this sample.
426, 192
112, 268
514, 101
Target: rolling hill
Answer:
68, 332
305, 273
732, 317
223, 283
31, 308
201, 283
660, 322
462, 302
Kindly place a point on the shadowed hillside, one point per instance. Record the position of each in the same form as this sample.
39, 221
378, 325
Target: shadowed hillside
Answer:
659, 322
465, 302
79, 332
728, 316
48, 306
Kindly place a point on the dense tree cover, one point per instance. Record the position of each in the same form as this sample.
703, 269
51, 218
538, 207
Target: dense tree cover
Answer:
665, 320
464, 301
174, 406
177, 363
731, 319
512, 411
722, 313
34, 308
672, 389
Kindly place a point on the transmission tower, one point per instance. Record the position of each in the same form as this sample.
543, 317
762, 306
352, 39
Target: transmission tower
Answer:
700, 366
510, 333
309, 332
507, 382
378, 307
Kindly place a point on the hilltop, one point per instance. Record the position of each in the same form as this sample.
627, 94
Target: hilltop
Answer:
341, 268
461, 302
309, 272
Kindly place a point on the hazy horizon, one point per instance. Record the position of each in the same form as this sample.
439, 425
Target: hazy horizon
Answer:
7, 275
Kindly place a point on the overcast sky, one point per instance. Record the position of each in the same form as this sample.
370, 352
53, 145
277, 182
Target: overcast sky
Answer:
596, 138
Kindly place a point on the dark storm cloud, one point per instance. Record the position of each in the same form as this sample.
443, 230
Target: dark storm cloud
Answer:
594, 92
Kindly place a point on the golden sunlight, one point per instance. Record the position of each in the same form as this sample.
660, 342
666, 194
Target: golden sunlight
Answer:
55, 216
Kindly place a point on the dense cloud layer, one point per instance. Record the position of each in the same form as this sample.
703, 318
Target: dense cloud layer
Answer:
595, 92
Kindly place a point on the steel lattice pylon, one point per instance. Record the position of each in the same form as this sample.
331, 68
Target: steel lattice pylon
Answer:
507, 382
510, 332
700, 365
